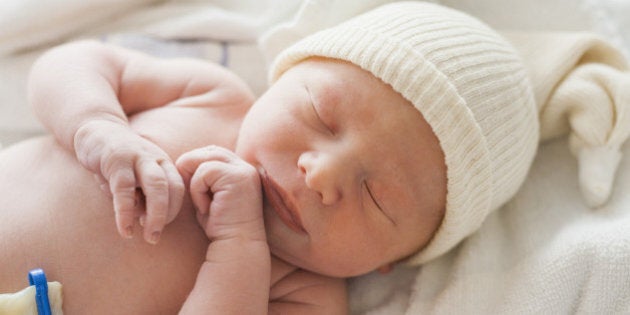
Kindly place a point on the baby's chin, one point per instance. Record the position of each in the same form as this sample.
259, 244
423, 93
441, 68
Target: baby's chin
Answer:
338, 266
340, 270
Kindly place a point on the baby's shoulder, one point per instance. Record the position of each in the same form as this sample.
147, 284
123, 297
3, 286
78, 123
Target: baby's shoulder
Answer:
295, 290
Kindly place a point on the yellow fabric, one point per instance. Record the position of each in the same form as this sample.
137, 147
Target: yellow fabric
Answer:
23, 302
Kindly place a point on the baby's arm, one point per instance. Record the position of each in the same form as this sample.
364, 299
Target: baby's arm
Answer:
304, 292
226, 191
84, 92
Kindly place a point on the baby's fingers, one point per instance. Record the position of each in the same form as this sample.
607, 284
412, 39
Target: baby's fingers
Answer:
154, 184
187, 163
123, 188
176, 190
103, 184
201, 185
164, 191
199, 168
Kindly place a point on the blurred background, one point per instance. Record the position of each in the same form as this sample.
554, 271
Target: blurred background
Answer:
228, 32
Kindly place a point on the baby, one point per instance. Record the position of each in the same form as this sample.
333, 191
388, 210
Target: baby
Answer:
388, 138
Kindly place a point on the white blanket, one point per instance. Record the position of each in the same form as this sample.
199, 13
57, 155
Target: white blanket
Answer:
544, 252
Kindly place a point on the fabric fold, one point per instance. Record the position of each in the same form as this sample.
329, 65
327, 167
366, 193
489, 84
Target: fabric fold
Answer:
582, 88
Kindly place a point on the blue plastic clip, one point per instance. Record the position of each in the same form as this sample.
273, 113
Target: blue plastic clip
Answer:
37, 277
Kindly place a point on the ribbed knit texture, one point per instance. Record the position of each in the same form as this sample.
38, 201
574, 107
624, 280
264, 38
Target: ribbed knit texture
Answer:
582, 88
467, 82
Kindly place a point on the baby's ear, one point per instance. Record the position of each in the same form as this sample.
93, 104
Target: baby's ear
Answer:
385, 269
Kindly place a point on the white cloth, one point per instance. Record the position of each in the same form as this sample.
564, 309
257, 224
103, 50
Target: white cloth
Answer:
545, 252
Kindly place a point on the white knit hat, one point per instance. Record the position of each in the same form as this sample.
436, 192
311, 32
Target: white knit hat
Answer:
468, 83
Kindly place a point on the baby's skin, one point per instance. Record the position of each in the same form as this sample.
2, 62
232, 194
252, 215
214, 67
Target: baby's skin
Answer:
207, 214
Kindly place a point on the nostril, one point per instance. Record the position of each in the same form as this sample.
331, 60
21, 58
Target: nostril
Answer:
330, 197
302, 164
321, 196
315, 185
302, 169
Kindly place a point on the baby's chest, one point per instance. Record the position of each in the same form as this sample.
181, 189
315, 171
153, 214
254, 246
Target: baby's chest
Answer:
181, 129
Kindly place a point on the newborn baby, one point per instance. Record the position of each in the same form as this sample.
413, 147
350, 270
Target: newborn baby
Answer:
380, 141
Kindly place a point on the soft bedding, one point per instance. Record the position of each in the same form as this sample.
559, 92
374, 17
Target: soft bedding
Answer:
545, 251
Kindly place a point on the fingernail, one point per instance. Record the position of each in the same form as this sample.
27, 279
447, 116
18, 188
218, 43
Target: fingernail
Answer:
129, 231
155, 237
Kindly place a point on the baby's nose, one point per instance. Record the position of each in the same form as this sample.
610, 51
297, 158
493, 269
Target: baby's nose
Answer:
322, 176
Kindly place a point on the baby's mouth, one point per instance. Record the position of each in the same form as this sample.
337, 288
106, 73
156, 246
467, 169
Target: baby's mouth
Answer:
279, 201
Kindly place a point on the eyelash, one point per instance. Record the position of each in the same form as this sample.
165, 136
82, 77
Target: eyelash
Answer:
319, 118
316, 113
376, 203
371, 195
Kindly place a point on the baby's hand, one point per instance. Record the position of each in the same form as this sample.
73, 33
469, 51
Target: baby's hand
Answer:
124, 162
226, 192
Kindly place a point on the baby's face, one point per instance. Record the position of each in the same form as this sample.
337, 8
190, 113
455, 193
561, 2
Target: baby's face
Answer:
354, 177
